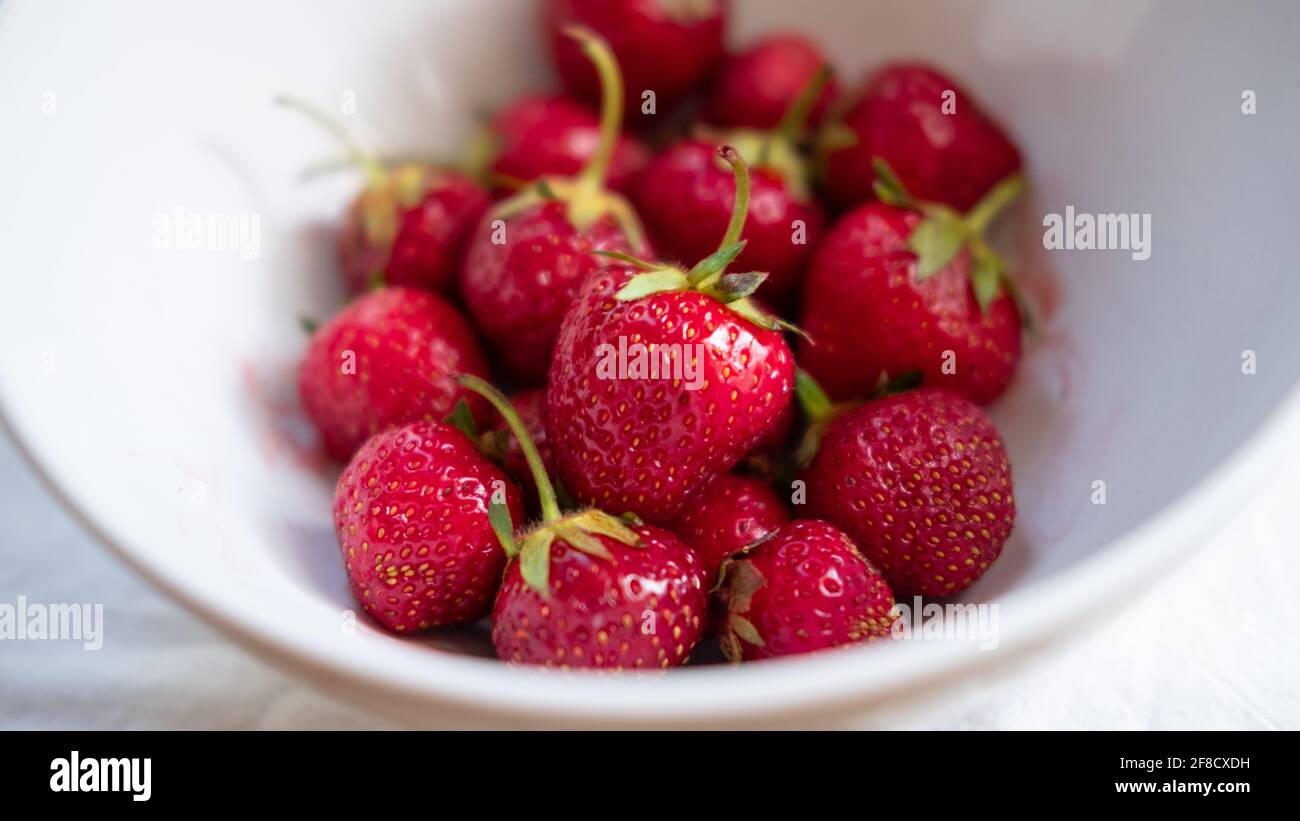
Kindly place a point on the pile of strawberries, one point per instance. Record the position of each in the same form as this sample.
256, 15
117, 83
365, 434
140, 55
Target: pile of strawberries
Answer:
634, 260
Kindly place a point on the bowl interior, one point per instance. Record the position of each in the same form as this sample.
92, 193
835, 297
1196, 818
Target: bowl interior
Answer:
153, 381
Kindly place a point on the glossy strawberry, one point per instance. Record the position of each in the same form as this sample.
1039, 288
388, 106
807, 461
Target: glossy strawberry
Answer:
641, 607
387, 359
663, 379
935, 136
645, 444
411, 516
731, 512
531, 253
756, 87
921, 482
587, 590
893, 290
665, 46
531, 407
685, 198
541, 135
410, 223
804, 588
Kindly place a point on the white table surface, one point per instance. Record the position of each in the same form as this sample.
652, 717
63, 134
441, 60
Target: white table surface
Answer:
1213, 645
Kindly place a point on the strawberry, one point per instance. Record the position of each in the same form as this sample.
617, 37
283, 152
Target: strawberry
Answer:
921, 481
531, 252
911, 286
531, 407
518, 291
731, 512
630, 601
944, 148
685, 197
666, 46
587, 590
540, 135
411, 512
409, 225
755, 88
387, 359
664, 378
804, 588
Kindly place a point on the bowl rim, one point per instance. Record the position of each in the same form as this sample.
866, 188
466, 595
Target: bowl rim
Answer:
789, 688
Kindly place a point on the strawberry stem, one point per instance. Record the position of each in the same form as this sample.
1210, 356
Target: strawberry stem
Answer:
999, 197
794, 122
545, 490
373, 169
741, 207
611, 102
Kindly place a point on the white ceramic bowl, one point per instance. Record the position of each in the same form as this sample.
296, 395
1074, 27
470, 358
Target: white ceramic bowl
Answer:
153, 386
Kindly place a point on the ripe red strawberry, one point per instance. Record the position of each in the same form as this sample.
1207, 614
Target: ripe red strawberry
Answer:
519, 290
756, 87
934, 135
387, 359
896, 289
664, 378
411, 512
686, 196
921, 482
531, 407
732, 512
541, 135
530, 254
411, 231
585, 590
641, 605
685, 199
665, 46
805, 588
409, 225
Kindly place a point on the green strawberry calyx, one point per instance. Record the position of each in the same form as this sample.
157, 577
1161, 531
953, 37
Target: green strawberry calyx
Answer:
388, 190
709, 276
585, 197
945, 231
581, 530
